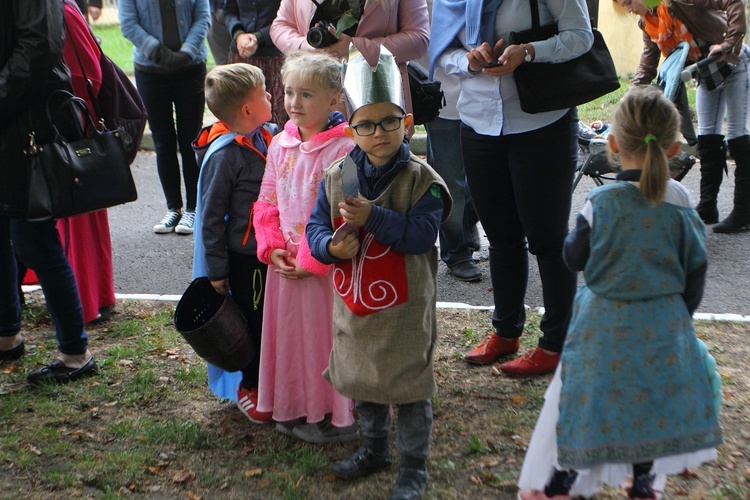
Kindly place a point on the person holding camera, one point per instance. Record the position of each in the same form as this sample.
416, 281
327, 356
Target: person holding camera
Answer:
248, 23
401, 26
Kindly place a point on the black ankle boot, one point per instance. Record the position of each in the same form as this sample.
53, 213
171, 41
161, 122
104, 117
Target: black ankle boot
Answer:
713, 157
739, 218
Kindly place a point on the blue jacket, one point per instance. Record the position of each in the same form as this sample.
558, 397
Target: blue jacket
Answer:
140, 22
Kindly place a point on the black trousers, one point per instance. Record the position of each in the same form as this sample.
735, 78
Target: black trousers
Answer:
521, 185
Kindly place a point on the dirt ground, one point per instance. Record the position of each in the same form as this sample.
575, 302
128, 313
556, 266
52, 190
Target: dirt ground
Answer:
483, 422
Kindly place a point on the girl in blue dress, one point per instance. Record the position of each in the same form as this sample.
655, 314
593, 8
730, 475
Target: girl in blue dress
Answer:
631, 396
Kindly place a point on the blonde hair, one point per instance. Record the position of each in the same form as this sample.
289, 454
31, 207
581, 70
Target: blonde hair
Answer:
227, 87
318, 68
645, 123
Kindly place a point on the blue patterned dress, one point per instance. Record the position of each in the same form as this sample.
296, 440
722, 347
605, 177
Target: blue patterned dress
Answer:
634, 385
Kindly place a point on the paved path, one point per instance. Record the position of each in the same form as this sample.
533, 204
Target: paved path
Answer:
161, 264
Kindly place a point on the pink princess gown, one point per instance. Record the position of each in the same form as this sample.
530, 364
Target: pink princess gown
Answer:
298, 314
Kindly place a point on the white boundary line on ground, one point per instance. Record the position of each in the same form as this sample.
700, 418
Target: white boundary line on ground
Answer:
440, 305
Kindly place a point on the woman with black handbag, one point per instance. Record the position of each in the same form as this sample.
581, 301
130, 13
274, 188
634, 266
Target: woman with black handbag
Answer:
31, 67
711, 27
519, 166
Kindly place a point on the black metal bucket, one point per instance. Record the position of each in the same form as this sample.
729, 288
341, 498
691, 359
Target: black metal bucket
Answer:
214, 326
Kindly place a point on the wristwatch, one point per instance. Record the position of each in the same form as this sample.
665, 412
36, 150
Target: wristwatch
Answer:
527, 55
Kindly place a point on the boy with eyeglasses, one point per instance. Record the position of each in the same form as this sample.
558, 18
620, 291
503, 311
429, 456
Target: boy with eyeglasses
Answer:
385, 275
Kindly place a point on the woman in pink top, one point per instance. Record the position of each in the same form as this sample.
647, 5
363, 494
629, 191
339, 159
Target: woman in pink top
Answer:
401, 26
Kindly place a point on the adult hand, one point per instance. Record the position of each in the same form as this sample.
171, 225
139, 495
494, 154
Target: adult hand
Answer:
221, 286
346, 248
340, 49
718, 50
94, 12
508, 61
173, 61
247, 44
355, 211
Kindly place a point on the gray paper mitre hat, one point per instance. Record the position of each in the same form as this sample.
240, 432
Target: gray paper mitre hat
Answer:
365, 85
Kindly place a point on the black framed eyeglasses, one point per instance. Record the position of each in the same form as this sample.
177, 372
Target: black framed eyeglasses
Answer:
387, 124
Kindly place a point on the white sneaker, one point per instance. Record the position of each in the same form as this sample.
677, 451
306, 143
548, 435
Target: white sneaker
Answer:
168, 223
186, 223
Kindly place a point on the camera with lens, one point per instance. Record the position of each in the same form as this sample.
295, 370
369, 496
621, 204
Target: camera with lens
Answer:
319, 36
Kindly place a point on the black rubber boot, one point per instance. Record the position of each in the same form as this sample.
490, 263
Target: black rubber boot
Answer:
713, 156
739, 218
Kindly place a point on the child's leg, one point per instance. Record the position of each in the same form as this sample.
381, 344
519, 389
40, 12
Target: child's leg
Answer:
558, 487
374, 455
642, 481
247, 279
414, 429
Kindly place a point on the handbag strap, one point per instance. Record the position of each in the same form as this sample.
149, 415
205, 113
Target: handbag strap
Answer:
535, 24
89, 83
69, 99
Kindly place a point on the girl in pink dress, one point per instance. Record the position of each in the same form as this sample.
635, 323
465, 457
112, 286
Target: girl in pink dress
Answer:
297, 315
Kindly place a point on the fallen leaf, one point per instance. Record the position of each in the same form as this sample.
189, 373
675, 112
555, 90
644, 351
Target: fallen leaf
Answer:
183, 476
36, 451
495, 371
475, 480
519, 399
193, 496
253, 472
126, 362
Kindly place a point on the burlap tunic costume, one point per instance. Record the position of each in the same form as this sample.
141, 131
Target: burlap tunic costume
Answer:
394, 364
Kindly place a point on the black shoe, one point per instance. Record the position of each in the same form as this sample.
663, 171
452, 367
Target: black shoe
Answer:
466, 271
13, 353
708, 213
58, 372
362, 462
104, 314
411, 484
734, 223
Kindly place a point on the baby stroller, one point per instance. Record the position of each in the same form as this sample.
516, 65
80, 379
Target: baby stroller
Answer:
592, 143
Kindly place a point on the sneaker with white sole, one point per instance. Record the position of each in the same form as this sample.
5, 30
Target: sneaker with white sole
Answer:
247, 402
187, 221
168, 223
325, 432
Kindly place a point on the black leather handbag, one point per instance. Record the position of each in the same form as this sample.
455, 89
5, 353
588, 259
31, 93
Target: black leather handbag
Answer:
426, 96
550, 86
85, 174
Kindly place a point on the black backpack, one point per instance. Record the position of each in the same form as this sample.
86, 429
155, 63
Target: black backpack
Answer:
120, 106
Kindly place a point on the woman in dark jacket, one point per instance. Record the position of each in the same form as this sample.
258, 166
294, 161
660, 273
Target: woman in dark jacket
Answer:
248, 23
31, 68
710, 27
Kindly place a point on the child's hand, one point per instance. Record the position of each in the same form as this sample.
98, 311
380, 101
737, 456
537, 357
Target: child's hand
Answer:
286, 265
296, 273
346, 248
282, 259
355, 211
221, 286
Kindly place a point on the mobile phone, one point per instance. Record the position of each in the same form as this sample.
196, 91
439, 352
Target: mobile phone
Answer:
491, 64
